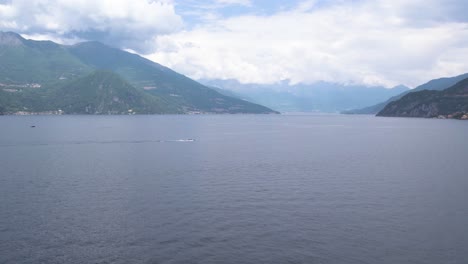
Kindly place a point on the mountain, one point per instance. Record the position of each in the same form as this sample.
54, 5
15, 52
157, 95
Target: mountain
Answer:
229, 93
104, 92
161, 81
316, 97
24, 61
437, 85
100, 92
33, 73
449, 103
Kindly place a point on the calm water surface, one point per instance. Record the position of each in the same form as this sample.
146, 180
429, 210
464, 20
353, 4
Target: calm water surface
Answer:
249, 189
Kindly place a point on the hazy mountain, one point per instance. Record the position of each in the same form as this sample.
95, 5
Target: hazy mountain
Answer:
33, 72
448, 103
437, 84
317, 97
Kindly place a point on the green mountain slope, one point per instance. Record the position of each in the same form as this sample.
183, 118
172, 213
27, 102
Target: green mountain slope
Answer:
162, 81
104, 92
100, 92
34, 73
435, 85
36, 62
449, 103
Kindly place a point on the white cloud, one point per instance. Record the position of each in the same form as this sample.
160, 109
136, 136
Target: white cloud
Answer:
209, 10
383, 42
372, 42
57, 39
235, 2
122, 22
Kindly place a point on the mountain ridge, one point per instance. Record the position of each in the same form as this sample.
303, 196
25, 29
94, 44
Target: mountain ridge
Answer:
448, 103
435, 84
105, 92
316, 97
48, 66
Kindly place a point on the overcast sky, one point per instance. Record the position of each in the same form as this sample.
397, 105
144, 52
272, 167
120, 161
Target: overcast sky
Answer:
375, 42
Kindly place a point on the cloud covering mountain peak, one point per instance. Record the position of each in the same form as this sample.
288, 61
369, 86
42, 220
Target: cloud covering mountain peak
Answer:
123, 23
373, 42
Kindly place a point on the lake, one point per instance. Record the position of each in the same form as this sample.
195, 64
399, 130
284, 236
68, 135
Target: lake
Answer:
233, 189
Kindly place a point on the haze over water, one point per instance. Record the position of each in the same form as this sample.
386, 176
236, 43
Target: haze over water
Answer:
248, 189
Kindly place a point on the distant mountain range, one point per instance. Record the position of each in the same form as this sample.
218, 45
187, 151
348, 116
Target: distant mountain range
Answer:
316, 97
449, 103
437, 85
92, 78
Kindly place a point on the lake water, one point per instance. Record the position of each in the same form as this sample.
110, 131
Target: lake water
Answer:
249, 189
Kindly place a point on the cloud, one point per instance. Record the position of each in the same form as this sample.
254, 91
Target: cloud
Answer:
201, 11
235, 2
122, 23
375, 42
372, 42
